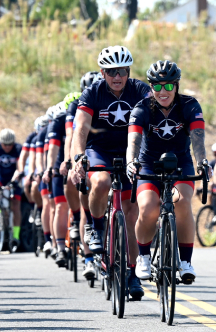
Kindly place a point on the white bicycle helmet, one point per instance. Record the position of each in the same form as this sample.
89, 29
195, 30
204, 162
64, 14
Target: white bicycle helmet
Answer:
97, 77
36, 125
214, 147
115, 56
43, 120
50, 113
59, 110
7, 136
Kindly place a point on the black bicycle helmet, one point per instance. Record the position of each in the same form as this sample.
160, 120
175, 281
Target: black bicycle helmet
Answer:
87, 79
163, 71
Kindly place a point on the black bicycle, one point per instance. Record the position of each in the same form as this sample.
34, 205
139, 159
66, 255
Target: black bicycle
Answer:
206, 224
165, 259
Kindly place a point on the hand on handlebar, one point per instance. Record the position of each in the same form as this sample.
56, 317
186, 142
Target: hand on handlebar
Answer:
46, 176
132, 169
79, 169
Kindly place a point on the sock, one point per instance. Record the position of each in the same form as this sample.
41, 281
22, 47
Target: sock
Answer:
98, 223
144, 249
32, 205
186, 250
76, 215
39, 208
133, 275
89, 258
16, 232
60, 244
88, 216
47, 236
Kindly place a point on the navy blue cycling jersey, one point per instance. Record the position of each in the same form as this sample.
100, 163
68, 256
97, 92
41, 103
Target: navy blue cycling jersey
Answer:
40, 140
166, 134
110, 115
8, 162
33, 144
26, 145
57, 131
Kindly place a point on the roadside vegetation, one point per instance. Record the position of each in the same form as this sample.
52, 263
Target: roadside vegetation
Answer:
41, 64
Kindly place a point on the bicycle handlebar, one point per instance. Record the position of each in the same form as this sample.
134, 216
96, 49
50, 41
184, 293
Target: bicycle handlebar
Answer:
68, 166
176, 177
49, 184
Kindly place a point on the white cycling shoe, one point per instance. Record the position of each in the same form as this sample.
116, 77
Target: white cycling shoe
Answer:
187, 272
143, 267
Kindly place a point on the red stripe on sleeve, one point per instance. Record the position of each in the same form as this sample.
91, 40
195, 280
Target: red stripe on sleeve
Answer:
55, 142
68, 125
135, 129
32, 149
39, 150
24, 148
86, 109
197, 125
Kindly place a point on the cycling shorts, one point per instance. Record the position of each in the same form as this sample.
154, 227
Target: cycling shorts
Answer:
43, 189
102, 158
58, 190
187, 169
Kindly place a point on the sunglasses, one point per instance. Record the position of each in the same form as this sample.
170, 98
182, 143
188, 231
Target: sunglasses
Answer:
112, 72
167, 86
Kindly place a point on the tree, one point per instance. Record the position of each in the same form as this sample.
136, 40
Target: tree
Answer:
131, 6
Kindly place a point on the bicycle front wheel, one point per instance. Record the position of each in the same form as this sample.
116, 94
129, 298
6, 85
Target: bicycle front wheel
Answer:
206, 226
169, 267
2, 232
119, 264
75, 260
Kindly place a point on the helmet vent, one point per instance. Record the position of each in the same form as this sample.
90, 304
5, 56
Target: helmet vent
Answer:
107, 51
117, 56
122, 57
128, 58
111, 58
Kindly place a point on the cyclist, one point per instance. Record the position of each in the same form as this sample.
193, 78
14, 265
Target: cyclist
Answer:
105, 107
167, 122
9, 155
55, 156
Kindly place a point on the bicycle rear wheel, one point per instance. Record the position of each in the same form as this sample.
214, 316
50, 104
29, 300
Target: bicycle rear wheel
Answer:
119, 269
169, 267
74, 254
206, 226
2, 232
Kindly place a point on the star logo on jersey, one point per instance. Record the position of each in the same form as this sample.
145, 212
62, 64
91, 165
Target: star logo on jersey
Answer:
6, 160
167, 129
117, 114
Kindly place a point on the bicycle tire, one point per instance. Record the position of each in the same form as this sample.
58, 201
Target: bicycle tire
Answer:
2, 232
206, 226
119, 269
160, 273
107, 281
91, 283
74, 254
169, 267
70, 260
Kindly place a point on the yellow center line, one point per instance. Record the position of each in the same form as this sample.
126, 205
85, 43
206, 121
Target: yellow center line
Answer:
187, 312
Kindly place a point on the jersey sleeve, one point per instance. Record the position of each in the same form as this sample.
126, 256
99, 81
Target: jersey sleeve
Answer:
54, 134
71, 112
26, 145
86, 101
136, 121
33, 144
195, 115
18, 150
40, 141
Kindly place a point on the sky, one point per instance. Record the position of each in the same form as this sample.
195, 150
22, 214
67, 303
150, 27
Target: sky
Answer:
142, 4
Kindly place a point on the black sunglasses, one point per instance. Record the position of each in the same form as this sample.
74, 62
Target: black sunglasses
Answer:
112, 72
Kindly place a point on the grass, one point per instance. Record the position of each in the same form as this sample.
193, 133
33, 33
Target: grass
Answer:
52, 57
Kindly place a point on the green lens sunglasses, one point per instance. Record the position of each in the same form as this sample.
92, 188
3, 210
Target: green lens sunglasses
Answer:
167, 86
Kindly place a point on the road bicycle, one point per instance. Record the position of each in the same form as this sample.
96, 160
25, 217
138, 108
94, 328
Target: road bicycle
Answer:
206, 224
165, 259
114, 260
6, 215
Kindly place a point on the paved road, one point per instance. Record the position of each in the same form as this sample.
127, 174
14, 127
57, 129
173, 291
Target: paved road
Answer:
38, 296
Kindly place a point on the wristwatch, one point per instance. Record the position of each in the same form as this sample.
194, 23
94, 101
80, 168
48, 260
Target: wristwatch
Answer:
78, 156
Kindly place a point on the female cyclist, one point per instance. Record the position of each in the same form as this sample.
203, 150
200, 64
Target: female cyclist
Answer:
165, 122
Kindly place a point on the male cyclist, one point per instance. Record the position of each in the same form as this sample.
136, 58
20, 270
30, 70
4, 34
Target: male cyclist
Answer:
105, 108
9, 155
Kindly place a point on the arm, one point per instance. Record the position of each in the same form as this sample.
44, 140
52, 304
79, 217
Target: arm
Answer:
32, 155
197, 140
68, 140
39, 162
81, 132
22, 160
133, 149
52, 155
